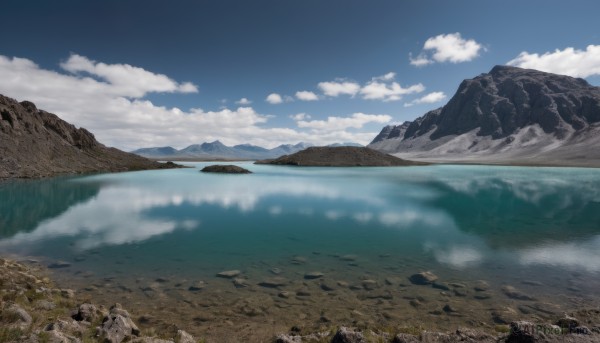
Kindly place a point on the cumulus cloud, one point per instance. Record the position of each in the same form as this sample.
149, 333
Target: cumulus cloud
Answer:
570, 61
388, 91
449, 47
126, 80
306, 96
300, 116
378, 88
107, 100
243, 101
430, 98
337, 88
274, 99
357, 121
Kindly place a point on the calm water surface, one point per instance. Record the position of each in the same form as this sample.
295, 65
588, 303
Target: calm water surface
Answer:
144, 238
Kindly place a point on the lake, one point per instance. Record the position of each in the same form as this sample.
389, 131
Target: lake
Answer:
316, 247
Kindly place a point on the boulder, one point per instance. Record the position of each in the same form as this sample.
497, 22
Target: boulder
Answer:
86, 312
117, 326
347, 335
423, 278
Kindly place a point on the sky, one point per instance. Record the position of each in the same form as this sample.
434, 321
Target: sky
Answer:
268, 72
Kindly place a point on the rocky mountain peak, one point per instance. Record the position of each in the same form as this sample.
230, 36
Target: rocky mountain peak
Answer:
500, 105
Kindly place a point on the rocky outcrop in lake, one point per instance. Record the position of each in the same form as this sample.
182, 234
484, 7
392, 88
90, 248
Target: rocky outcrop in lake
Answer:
225, 169
509, 115
35, 143
340, 157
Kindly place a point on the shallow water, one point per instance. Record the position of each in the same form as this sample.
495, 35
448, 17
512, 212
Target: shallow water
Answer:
144, 238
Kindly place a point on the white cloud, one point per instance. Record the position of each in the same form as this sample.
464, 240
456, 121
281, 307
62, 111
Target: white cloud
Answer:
419, 61
274, 99
337, 88
386, 77
300, 116
376, 90
119, 116
379, 88
306, 96
570, 61
243, 101
126, 80
357, 121
430, 98
449, 47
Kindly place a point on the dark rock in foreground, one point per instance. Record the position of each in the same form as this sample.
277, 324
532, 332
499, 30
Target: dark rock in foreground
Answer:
226, 169
340, 157
35, 143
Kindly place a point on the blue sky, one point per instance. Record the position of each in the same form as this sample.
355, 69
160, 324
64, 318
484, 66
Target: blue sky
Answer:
153, 73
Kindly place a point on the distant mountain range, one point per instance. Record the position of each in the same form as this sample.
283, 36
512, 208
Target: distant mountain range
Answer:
509, 115
218, 150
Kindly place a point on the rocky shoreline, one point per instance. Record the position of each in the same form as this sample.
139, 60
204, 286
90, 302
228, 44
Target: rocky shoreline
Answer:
33, 309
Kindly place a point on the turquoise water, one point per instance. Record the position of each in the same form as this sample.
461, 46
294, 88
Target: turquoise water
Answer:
537, 229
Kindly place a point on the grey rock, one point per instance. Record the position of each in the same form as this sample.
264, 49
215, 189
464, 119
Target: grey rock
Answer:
370, 285
197, 286
86, 312
567, 322
184, 337
481, 286
440, 285
283, 338
273, 282
229, 274
54, 336
405, 338
347, 335
59, 264
581, 330
313, 275
522, 332
19, 317
45, 305
150, 340
117, 326
240, 283
514, 293
423, 278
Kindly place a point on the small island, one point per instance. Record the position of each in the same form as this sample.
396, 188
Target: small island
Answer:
344, 156
225, 168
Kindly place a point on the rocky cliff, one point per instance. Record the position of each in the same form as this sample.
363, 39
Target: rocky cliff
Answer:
35, 143
507, 115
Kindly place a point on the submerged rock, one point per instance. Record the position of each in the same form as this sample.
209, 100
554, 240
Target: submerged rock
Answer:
423, 278
229, 274
225, 168
514, 293
313, 275
273, 282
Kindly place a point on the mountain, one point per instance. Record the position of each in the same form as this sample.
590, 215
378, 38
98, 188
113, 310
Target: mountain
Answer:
217, 150
509, 115
35, 143
344, 156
